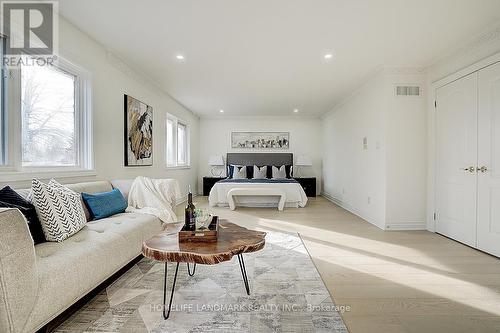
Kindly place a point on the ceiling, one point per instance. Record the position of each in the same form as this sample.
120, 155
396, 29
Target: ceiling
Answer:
265, 57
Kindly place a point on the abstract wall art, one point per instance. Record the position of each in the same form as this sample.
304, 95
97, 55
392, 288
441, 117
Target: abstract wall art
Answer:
138, 132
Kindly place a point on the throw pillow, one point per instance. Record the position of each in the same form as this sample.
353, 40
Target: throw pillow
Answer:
105, 204
279, 173
240, 172
11, 199
260, 172
59, 209
230, 170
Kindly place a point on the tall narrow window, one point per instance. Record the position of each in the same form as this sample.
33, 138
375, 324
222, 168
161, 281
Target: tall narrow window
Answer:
182, 140
49, 117
177, 142
170, 143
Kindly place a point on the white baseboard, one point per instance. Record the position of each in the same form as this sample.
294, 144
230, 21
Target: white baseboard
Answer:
347, 207
410, 225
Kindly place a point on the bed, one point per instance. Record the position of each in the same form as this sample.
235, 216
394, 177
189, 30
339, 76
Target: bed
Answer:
293, 191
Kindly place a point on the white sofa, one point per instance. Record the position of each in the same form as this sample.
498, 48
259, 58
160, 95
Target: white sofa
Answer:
37, 283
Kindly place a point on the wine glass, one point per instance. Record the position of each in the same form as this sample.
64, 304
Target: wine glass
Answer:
203, 219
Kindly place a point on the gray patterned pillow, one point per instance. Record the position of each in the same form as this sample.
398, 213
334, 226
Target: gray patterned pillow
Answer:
59, 210
259, 172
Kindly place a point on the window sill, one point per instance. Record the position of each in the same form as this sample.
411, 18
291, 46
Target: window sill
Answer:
178, 167
7, 175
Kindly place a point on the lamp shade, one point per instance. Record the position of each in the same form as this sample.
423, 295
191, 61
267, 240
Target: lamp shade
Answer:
303, 160
215, 160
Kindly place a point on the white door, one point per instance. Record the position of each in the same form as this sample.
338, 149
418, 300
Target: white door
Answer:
488, 214
456, 159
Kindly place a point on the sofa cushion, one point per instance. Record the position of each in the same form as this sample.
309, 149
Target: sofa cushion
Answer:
59, 209
11, 199
123, 185
105, 204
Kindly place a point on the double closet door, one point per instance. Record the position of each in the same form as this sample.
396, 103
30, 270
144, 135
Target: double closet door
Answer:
468, 160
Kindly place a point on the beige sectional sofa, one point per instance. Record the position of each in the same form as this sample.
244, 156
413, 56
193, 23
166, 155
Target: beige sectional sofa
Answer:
37, 283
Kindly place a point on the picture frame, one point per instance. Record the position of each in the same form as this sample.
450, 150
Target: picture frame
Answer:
138, 132
260, 140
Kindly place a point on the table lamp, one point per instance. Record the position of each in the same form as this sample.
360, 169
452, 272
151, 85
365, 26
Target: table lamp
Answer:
216, 161
302, 161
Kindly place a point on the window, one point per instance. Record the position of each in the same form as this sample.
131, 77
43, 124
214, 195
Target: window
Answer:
3, 118
49, 110
177, 142
48, 113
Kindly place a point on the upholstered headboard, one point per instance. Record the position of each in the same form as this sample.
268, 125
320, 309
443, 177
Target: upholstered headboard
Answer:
276, 159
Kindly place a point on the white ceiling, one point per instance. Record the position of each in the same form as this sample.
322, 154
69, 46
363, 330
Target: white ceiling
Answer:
264, 57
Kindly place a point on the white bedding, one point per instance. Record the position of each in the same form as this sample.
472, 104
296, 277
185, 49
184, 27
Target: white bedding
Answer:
295, 195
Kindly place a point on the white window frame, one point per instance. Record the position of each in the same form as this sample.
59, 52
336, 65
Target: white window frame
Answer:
176, 121
13, 170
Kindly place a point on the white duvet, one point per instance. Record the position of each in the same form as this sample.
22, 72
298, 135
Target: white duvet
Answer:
295, 195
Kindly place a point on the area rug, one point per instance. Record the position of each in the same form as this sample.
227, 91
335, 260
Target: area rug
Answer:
287, 295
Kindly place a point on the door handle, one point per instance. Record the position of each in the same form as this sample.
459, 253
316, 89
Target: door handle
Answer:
471, 169
483, 169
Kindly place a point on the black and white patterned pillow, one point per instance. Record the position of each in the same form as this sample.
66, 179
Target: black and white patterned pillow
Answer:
59, 210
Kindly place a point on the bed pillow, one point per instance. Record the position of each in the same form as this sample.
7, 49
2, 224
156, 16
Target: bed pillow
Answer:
105, 204
259, 172
289, 171
279, 173
11, 199
59, 209
240, 172
231, 168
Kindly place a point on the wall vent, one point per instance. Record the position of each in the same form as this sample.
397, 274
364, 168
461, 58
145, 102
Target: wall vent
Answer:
407, 91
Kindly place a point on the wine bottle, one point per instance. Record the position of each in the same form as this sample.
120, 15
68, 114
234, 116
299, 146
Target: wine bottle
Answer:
190, 219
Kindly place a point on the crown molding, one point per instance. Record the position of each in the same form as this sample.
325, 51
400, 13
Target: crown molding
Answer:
378, 72
404, 70
128, 69
277, 117
476, 49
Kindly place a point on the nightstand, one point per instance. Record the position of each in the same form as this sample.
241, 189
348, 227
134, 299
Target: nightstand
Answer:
308, 184
208, 183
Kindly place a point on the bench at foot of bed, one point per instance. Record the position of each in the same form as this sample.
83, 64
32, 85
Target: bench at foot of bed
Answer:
255, 192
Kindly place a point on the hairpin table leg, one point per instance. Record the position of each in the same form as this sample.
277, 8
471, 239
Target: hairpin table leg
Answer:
166, 314
244, 273
189, 270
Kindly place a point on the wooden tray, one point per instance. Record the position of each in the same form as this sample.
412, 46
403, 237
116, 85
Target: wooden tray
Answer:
202, 236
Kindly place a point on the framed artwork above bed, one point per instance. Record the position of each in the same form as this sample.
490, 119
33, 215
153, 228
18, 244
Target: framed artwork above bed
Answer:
260, 140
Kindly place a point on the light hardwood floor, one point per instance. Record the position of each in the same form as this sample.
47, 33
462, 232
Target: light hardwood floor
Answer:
394, 281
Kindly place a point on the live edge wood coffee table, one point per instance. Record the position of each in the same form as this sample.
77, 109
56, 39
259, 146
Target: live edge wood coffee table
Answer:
232, 240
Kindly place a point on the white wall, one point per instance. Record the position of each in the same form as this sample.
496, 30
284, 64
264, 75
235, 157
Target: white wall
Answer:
305, 138
110, 80
406, 154
385, 183
350, 173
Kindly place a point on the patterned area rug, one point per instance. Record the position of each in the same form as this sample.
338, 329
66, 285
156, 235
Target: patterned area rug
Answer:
287, 295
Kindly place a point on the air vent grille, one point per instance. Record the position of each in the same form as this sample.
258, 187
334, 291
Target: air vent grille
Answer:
407, 91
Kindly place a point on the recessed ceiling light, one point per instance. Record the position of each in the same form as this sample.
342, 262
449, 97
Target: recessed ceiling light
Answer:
221, 111
179, 57
328, 56
296, 110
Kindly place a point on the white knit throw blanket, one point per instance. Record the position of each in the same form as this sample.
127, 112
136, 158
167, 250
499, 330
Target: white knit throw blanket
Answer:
154, 196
